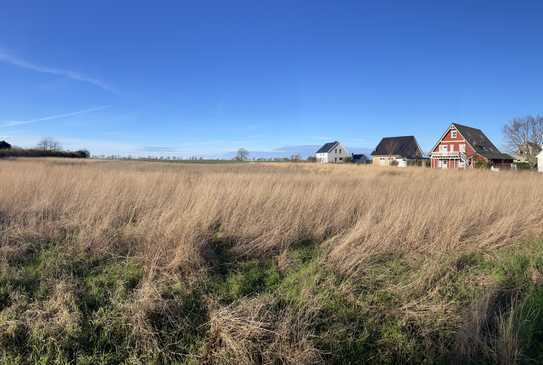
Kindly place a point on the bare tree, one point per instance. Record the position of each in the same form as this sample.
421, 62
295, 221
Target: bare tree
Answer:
242, 154
296, 157
49, 144
524, 137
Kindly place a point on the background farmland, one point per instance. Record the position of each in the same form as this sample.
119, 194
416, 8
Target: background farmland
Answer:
134, 262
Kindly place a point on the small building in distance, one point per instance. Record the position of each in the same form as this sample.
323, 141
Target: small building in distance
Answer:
4, 145
540, 162
464, 147
397, 151
332, 152
360, 159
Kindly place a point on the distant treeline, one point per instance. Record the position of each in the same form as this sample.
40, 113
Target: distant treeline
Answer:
36, 152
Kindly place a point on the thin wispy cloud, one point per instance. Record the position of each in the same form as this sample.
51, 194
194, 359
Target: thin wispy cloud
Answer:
13, 123
11, 59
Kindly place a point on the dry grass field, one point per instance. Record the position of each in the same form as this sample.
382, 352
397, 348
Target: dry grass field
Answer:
136, 263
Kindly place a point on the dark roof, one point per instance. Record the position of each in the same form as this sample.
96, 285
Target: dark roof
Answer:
406, 147
480, 142
4, 145
327, 147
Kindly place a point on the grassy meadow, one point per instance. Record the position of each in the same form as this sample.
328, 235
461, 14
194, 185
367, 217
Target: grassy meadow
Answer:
108, 262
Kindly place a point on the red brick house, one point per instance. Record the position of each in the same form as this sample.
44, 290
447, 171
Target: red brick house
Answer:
462, 146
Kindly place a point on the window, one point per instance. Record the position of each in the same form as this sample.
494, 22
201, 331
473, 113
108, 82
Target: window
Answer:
454, 134
341, 158
444, 148
340, 150
462, 148
336, 150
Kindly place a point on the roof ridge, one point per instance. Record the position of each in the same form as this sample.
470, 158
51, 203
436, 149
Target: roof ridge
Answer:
398, 136
327, 147
466, 126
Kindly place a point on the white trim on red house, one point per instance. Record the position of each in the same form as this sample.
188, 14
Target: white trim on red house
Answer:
464, 140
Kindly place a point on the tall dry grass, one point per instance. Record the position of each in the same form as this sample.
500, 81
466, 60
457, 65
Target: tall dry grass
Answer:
174, 219
168, 213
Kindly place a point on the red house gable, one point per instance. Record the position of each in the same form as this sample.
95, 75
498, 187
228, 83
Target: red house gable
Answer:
462, 147
447, 152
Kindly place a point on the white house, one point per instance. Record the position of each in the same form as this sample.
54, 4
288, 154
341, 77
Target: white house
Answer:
333, 152
540, 161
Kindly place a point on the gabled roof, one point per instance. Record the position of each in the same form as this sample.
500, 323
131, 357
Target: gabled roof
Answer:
328, 147
405, 146
480, 143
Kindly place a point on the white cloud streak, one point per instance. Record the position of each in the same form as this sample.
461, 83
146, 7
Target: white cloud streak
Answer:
72, 75
13, 123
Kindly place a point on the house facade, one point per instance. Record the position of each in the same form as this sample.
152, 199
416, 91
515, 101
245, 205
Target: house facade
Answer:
527, 153
463, 147
396, 151
540, 162
332, 152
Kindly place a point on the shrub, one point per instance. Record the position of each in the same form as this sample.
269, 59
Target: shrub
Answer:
523, 165
20, 152
482, 164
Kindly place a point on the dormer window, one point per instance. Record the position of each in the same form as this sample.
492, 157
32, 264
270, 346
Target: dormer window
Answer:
454, 134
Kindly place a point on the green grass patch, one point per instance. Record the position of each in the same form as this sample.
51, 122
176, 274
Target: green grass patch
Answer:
399, 309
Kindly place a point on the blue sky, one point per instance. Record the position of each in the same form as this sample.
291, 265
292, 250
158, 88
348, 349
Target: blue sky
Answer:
206, 77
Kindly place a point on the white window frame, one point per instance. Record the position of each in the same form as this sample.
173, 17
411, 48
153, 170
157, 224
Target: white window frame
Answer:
454, 134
